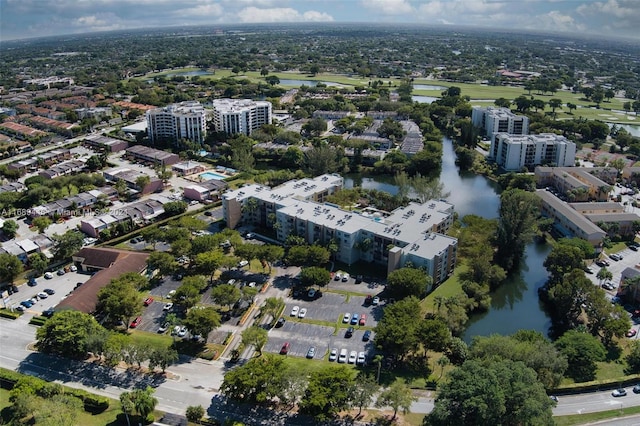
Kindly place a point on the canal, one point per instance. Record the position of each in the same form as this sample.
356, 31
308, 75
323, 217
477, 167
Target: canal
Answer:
515, 305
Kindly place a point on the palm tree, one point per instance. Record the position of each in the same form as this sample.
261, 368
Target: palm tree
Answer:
144, 402
127, 405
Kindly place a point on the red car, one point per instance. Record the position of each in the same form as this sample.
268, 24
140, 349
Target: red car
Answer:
136, 322
285, 348
148, 301
363, 319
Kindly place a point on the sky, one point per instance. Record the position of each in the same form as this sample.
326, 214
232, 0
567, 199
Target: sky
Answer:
39, 18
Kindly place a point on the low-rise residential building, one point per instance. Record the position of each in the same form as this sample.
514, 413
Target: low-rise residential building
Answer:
12, 187
97, 113
75, 205
105, 143
413, 234
515, 152
578, 183
210, 190
152, 156
187, 168
138, 213
131, 178
21, 131
63, 169
108, 264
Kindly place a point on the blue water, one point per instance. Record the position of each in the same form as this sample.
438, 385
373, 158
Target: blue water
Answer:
428, 87
210, 175
423, 99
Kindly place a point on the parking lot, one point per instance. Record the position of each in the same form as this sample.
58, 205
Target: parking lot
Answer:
331, 307
63, 285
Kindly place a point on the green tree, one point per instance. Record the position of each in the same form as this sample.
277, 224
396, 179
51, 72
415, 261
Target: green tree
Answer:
567, 298
186, 296
67, 334
162, 357
142, 182
38, 262
225, 294
141, 401
67, 244
202, 321
633, 358
516, 226
561, 260
427, 188
257, 381
164, 262
320, 160
364, 389
41, 223
174, 208
314, 276
10, 267
314, 127
194, 413
405, 282
273, 306
555, 103
255, 336
396, 332
10, 228
328, 392
208, 262
583, 351
397, 396
119, 300
499, 392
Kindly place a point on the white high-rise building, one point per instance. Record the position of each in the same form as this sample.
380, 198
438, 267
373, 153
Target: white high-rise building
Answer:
492, 121
514, 152
186, 120
235, 116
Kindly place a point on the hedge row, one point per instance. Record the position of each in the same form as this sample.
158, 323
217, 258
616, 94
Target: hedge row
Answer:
39, 321
92, 403
4, 313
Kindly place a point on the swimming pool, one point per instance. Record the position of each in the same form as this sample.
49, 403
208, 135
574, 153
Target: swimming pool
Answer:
210, 175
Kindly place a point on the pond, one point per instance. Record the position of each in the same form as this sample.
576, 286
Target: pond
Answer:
515, 305
189, 73
310, 83
423, 99
428, 87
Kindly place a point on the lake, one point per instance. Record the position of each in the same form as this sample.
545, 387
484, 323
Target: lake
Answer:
423, 99
515, 305
428, 87
310, 83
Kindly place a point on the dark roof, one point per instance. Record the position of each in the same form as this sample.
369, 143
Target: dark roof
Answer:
97, 257
85, 297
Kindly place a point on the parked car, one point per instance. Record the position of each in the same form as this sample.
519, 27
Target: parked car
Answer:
375, 301
48, 275
26, 303
167, 306
615, 257
345, 277
358, 279
607, 286
136, 322
632, 332
353, 355
363, 319
48, 313
60, 272
343, 356
242, 263
280, 322
347, 317
361, 358
163, 328
302, 313
349, 332
295, 310
73, 268
368, 300
182, 332
311, 352
285, 348
354, 319
636, 388
32, 282
333, 355
619, 392
148, 301
337, 276
366, 336
312, 293
49, 291
42, 295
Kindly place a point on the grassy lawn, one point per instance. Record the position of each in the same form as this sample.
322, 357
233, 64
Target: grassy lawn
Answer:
107, 417
153, 339
449, 288
616, 247
581, 419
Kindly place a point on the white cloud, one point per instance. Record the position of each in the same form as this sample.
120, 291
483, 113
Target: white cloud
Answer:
617, 8
556, 21
389, 7
280, 14
201, 11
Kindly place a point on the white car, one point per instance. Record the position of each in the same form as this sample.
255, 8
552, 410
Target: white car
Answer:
182, 332
295, 310
333, 355
353, 355
171, 293
73, 268
345, 277
361, 358
375, 301
302, 313
242, 263
42, 295
343, 356
346, 318
167, 306
48, 275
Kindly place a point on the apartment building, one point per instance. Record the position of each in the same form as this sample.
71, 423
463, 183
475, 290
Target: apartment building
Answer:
151, 156
412, 234
493, 120
186, 120
515, 152
577, 183
234, 116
